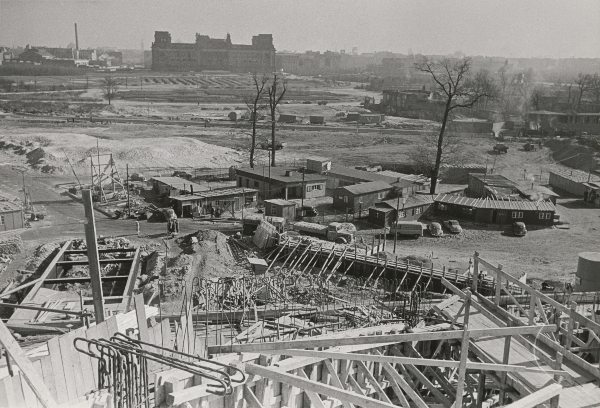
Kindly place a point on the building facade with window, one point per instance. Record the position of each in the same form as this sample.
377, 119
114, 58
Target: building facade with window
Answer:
385, 213
280, 208
11, 216
359, 197
490, 211
279, 182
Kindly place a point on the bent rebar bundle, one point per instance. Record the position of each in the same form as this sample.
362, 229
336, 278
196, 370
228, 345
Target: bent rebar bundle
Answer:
123, 368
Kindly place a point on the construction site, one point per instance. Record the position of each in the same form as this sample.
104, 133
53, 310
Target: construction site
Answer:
201, 223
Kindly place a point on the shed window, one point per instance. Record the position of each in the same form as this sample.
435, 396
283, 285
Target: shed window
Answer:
417, 211
345, 199
1, 219
381, 195
517, 214
402, 214
545, 216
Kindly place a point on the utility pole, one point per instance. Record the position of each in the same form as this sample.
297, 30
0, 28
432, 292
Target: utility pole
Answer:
93, 257
127, 185
302, 195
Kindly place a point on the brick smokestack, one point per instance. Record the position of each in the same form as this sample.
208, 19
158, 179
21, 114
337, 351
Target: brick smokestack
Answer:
76, 38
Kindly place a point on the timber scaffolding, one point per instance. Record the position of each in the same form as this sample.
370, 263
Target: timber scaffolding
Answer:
470, 350
370, 266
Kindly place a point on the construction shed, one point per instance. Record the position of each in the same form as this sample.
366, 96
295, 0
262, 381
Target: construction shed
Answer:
471, 125
316, 120
385, 213
174, 186
280, 208
287, 118
281, 182
492, 211
359, 197
370, 118
571, 181
340, 176
11, 216
353, 116
492, 185
226, 200
318, 165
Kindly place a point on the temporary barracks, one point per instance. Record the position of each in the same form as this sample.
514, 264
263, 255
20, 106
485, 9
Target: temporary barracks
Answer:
279, 182
228, 199
492, 211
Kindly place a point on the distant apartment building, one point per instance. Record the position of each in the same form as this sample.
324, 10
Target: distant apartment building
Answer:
213, 54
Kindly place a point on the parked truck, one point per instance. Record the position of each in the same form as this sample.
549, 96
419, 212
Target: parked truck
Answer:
410, 228
341, 233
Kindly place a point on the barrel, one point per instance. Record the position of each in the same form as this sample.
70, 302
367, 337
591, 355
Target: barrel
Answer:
588, 272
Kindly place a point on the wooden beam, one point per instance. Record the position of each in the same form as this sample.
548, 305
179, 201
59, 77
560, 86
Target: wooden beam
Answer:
19, 288
397, 390
315, 400
374, 383
380, 339
335, 380
538, 397
93, 257
412, 394
471, 365
464, 352
31, 375
313, 386
140, 315
251, 399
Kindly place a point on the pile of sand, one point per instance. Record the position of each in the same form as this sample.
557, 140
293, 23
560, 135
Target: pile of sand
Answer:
48, 151
10, 245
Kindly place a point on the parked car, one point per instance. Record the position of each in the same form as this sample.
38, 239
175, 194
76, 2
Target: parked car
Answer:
308, 211
500, 148
453, 226
435, 229
519, 229
412, 228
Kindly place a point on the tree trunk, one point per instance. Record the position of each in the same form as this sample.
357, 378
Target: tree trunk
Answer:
253, 140
273, 138
440, 149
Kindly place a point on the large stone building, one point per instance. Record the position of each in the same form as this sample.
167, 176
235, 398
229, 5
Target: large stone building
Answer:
213, 54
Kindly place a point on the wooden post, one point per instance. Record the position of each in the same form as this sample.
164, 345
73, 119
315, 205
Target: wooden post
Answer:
498, 285
505, 357
93, 257
475, 272
532, 305
464, 353
571, 326
481, 389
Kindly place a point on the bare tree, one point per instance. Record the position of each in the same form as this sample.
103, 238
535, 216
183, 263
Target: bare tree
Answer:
595, 87
536, 98
584, 84
276, 92
452, 77
255, 103
109, 88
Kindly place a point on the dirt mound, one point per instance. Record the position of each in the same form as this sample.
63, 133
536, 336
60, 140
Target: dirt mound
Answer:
10, 245
214, 254
572, 154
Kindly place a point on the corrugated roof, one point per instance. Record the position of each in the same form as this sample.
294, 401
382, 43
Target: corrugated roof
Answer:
360, 174
181, 183
368, 187
577, 176
279, 201
215, 193
413, 201
278, 174
487, 203
414, 178
9, 206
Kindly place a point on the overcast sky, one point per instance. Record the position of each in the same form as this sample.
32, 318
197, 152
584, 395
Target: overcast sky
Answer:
512, 28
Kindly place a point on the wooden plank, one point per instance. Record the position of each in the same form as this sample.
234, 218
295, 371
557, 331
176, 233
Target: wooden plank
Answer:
464, 352
112, 326
388, 338
19, 398
537, 398
251, 399
471, 365
48, 375
374, 383
56, 360
140, 315
335, 380
429, 385
32, 377
315, 400
70, 361
412, 394
308, 385
397, 390
29, 397
45, 273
